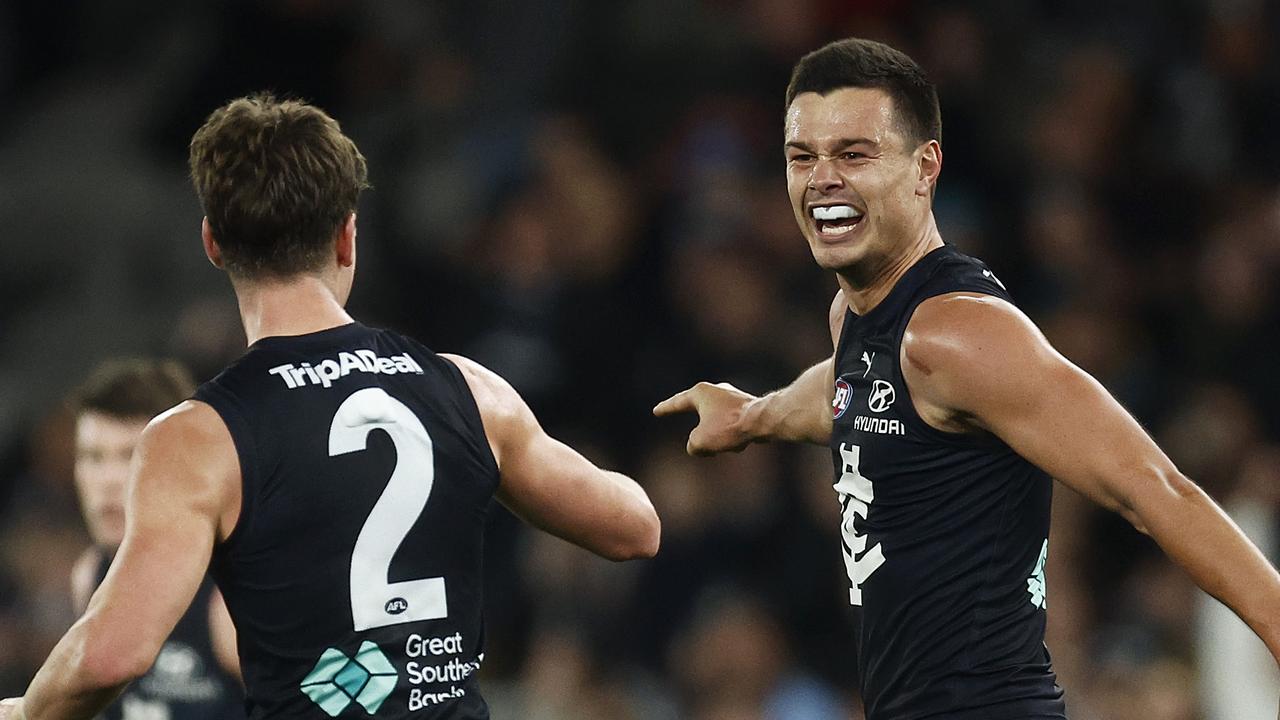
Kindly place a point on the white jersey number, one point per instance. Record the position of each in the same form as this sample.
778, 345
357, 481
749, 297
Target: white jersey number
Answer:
856, 494
376, 602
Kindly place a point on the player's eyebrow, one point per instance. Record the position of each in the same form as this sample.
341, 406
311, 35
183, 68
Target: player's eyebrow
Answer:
840, 144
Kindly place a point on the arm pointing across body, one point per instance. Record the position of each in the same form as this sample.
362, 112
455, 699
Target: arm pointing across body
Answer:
729, 419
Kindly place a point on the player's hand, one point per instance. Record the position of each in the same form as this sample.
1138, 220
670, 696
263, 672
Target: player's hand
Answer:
11, 709
720, 408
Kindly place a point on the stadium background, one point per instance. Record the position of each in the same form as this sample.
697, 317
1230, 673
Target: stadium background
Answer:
588, 197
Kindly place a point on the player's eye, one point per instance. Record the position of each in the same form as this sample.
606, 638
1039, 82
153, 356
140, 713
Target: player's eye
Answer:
801, 158
852, 155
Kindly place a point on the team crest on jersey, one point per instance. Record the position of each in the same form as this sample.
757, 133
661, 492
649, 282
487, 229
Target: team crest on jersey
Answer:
881, 396
844, 394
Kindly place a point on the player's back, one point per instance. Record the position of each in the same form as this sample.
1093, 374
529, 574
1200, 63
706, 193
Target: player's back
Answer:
354, 572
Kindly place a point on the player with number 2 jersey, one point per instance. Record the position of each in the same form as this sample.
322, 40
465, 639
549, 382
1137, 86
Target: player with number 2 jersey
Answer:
335, 479
354, 568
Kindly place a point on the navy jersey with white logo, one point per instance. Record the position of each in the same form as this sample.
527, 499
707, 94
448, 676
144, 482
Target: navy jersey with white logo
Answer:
945, 535
354, 571
186, 682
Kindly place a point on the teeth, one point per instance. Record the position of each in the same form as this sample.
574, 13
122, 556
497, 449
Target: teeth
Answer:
835, 212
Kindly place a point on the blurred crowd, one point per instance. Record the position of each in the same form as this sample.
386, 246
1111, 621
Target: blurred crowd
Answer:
589, 198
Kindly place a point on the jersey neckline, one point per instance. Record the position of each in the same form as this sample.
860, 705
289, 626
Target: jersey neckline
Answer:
905, 284
327, 334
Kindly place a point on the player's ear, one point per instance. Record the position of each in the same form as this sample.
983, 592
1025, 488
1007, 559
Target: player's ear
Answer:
346, 242
930, 166
211, 249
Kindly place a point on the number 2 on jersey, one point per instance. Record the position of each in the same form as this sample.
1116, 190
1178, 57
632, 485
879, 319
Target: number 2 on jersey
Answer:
375, 601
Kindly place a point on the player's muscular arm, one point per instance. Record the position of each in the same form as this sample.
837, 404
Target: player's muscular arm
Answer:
730, 419
978, 362
222, 636
181, 495
554, 488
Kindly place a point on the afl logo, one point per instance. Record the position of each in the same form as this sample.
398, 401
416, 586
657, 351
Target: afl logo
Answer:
881, 396
395, 606
840, 403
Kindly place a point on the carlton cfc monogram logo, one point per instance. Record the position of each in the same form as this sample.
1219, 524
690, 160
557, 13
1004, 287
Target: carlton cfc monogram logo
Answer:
840, 403
881, 396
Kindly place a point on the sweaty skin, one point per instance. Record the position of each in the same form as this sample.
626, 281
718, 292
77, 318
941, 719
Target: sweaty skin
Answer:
973, 363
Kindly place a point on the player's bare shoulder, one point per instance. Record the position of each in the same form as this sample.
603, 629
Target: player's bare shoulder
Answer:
502, 410
489, 388
190, 445
962, 350
190, 429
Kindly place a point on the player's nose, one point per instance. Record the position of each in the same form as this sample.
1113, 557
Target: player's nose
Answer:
824, 178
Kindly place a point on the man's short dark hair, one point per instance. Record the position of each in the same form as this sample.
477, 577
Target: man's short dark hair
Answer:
128, 388
860, 63
277, 179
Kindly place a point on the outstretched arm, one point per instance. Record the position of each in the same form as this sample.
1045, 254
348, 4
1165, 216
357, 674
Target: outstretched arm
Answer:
730, 419
551, 486
179, 494
978, 362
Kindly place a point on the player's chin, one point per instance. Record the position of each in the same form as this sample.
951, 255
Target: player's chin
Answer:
834, 258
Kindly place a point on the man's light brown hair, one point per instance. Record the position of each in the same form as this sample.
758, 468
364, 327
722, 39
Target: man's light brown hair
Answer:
277, 180
128, 388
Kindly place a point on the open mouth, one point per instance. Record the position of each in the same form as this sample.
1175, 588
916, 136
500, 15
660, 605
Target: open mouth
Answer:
834, 220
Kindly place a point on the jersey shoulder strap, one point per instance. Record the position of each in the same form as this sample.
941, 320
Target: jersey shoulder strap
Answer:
948, 270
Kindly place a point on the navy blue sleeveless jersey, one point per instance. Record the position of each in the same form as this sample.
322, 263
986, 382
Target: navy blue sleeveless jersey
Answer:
185, 682
354, 572
945, 535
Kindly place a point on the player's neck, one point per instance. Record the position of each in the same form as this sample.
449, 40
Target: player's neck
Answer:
292, 307
863, 294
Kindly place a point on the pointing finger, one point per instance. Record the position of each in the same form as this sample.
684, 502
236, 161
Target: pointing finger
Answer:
678, 403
